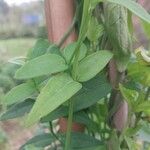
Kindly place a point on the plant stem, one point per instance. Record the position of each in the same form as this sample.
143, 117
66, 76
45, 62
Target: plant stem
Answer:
53, 133
69, 127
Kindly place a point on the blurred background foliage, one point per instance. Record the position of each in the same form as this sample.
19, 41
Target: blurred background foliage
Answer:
20, 26
25, 20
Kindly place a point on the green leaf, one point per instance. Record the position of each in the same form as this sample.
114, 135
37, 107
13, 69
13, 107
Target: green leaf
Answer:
69, 51
103, 147
139, 73
79, 141
143, 107
83, 141
95, 30
92, 65
134, 8
114, 143
85, 20
41, 141
17, 110
39, 49
59, 89
131, 143
54, 49
129, 95
83, 118
19, 93
92, 91
43, 65
58, 113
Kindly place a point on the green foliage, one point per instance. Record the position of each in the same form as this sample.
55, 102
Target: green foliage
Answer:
58, 90
41, 141
86, 71
95, 30
17, 110
69, 51
73, 83
79, 141
39, 49
20, 93
42, 65
129, 95
92, 91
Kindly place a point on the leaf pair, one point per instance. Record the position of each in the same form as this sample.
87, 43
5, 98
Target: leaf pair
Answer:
92, 91
89, 67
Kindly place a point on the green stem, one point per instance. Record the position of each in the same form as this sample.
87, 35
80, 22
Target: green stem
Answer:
53, 133
69, 127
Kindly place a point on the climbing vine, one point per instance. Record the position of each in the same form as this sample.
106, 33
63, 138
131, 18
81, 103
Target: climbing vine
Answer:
99, 81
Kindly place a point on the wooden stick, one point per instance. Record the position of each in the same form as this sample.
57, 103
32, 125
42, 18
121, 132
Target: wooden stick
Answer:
59, 17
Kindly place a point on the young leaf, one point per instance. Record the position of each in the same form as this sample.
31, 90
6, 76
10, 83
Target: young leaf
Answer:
129, 95
68, 51
58, 90
43, 65
39, 49
19, 93
134, 8
92, 65
18, 110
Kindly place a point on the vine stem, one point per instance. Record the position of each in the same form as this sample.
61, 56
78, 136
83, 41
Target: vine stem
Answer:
69, 126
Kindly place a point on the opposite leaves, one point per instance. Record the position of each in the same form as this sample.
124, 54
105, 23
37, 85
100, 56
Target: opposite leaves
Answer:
59, 89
